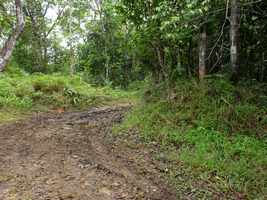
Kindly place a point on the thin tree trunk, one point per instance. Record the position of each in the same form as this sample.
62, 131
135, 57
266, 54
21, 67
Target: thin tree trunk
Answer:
190, 58
202, 53
72, 61
6, 51
161, 61
179, 63
262, 69
235, 38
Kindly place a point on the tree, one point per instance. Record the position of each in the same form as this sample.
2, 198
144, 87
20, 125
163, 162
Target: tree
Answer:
163, 39
235, 38
202, 52
6, 51
39, 29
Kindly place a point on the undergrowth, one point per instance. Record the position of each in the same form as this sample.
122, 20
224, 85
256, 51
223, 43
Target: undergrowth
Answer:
20, 93
215, 128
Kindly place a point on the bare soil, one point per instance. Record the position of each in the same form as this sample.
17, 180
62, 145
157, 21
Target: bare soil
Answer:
74, 156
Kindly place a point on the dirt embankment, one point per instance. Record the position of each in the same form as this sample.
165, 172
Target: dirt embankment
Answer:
73, 156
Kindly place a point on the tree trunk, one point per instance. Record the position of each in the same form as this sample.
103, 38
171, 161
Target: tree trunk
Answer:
161, 61
190, 59
202, 53
262, 72
179, 62
235, 38
6, 51
72, 61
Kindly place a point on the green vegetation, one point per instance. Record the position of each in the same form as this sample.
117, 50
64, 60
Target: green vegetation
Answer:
215, 128
21, 93
199, 67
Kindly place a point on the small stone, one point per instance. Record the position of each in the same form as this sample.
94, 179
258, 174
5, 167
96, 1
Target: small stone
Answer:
116, 184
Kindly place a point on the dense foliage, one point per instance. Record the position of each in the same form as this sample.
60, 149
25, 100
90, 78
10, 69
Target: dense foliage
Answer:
115, 42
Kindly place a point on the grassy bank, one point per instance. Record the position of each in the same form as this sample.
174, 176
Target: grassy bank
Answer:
22, 94
216, 130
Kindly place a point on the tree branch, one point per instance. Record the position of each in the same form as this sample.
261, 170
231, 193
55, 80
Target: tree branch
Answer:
55, 22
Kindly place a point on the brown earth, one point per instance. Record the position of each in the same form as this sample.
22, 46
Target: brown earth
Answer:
73, 156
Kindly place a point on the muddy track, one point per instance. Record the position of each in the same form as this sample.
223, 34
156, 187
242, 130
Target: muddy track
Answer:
73, 156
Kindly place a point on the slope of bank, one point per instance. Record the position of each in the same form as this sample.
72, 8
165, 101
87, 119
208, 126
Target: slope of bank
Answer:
22, 94
216, 132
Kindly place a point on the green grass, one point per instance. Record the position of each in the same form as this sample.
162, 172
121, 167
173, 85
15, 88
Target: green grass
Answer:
214, 129
7, 115
22, 93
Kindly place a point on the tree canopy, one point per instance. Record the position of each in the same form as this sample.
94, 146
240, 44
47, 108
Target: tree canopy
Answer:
117, 41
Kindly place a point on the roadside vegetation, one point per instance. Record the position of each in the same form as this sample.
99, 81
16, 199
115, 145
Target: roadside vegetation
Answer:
22, 94
217, 130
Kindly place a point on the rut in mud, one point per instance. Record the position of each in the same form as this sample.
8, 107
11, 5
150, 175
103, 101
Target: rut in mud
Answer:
74, 156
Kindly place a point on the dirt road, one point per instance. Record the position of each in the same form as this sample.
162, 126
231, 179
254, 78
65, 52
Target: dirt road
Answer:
73, 156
